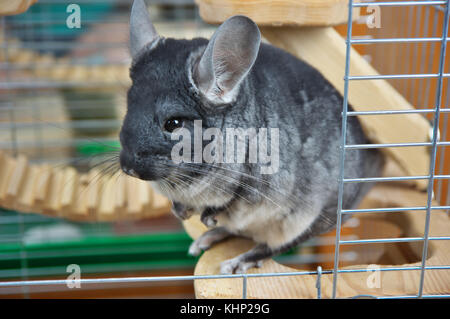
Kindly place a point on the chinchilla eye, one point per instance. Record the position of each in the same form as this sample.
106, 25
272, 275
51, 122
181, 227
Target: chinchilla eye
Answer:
172, 124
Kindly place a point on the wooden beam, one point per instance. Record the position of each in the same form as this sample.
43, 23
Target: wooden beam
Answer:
278, 12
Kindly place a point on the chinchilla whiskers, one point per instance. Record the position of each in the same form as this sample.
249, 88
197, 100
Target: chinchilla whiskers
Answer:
168, 186
224, 191
237, 182
181, 180
228, 179
259, 180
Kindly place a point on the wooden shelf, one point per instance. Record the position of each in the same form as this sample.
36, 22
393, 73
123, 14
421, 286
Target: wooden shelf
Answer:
278, 12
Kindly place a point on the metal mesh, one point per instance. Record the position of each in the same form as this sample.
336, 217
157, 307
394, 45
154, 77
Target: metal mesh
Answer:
49, 117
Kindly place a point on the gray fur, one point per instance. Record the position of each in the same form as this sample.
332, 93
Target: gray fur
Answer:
277, 211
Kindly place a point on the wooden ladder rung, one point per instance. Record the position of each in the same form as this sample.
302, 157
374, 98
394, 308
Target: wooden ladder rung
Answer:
120, 195
42, 185
134, 205
6, 171
26, 197
106, 209
70, 179
52, 203
79, 204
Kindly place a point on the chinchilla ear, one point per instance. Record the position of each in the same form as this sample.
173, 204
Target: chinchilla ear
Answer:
142, 31
227, 59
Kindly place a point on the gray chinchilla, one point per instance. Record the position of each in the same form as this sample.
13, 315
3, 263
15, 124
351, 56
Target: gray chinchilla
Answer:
235, 81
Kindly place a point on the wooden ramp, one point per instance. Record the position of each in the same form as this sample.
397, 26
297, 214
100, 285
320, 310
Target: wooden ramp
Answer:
379, 225
63, 192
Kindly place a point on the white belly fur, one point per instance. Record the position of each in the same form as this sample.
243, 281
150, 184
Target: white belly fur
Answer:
266, 223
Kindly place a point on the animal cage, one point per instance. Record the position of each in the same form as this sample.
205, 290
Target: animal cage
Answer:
62, 100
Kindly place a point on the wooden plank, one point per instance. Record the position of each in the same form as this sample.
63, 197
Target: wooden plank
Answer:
17, 179
278, 12
324, 49
120, 195
79, 210
42, 185
25, 199
52, 203
6, 172
392, 283
134, 206
93, 190
106, 211
70, 180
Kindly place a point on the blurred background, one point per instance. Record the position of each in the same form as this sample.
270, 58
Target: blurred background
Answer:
62, 100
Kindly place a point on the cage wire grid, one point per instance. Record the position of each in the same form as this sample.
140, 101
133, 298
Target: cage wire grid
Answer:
440, 42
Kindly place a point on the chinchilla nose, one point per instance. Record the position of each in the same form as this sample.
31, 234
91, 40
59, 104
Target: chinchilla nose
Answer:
138, 164
130, 162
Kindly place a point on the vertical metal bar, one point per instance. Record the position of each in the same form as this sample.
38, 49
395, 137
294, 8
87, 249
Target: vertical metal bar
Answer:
443, 134
407, 83
244, 286
342, 147
434, 147
415, 56
426, 99
319, 282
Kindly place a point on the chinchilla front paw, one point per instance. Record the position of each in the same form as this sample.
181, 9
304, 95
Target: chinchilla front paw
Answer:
181, 212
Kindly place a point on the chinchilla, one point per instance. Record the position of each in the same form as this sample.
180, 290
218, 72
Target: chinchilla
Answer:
235, 81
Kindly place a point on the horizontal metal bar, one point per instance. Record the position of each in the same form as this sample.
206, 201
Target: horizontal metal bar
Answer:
123, 2
57, 84
149, 279
441, 176
413, 296
385, 179
394, 112
392, 179
74, 124
386, 145
396, 40
54, 143
65, 64
397, 3
392, 209
391, 240
395, 268
55, 45
198, 277
382, 210
396, 76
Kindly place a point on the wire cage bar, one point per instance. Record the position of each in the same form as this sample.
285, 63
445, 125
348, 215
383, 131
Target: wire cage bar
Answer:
435, 178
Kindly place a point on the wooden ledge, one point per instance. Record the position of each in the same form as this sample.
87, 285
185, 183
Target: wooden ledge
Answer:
278, 12
390, 225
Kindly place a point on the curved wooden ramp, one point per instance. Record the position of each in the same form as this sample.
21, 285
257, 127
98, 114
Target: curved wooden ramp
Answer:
350, 284
65, 193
